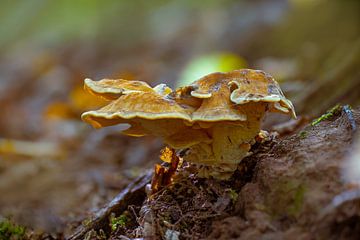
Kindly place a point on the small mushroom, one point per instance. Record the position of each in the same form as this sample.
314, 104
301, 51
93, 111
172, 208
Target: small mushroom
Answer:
216, 118
146, 112
111, 89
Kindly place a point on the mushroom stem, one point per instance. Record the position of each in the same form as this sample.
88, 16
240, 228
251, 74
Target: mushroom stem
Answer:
230, 142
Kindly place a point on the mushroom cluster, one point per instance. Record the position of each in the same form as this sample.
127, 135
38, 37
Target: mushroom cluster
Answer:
216, 118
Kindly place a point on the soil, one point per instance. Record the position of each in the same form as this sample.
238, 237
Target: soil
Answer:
285, 190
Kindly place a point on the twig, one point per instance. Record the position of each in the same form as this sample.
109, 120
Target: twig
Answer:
133, 194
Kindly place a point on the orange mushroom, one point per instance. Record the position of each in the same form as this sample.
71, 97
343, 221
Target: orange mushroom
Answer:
216, 118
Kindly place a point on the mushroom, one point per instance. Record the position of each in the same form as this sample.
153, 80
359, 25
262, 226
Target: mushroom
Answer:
216, 118
135, 103
111, 89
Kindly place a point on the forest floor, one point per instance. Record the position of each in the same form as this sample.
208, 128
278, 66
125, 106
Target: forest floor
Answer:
291, 187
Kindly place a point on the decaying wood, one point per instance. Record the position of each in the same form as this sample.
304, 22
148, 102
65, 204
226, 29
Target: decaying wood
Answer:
292, 181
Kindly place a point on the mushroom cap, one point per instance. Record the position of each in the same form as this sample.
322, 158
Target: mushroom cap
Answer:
249, 85
113, 88
221, 96
141, 110
212, 95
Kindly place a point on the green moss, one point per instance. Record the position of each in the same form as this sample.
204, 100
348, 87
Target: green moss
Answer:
286, 199
329, 114
233, 195
260, 207
303, 134
116, 222
298, 199
86, 222
11, 231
